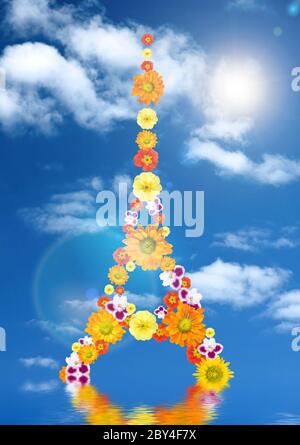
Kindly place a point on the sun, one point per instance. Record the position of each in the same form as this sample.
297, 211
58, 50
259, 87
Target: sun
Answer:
237, 87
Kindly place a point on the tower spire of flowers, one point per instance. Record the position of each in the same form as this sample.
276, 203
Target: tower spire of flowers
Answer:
180, 319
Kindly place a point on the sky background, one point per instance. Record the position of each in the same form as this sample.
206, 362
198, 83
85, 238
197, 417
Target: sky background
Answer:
67, 130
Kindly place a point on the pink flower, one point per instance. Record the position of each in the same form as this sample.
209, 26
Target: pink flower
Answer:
160, 312
191, 297
131, 218
117, 307
154, 207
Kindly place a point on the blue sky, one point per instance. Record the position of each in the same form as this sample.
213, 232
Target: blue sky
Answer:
67, 132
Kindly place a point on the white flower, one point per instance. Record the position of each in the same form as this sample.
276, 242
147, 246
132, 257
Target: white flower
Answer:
131, 218
195, 297
167, 278
73, 360
120, 302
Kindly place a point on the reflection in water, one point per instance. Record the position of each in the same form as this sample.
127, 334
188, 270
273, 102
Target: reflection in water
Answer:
198, 408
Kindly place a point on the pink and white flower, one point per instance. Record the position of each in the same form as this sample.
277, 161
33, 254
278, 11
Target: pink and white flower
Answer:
160, 312
85, 340
73, 360
154, 207
191, 297
167, 278
117, 307
210, 348
178, 272
131, 218
78, 374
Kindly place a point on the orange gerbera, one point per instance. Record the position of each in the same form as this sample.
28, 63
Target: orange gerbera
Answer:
147, 65
193, 355
118, 274
161, 333
146, 246
147, 160
167, 263
102, 301
185, 326
146, 140
149, 87
88, 354
171, 299
102, 347
103, 326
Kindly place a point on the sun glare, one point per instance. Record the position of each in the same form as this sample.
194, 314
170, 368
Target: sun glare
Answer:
237, 87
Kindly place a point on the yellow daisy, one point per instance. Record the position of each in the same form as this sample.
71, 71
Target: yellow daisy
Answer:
118, 275
88, 354
213, 375
147, 53
147, 118
103, 326
143, 325
146, 140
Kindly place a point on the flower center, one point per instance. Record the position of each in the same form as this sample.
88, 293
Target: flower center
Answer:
185, 325
148, 245
105, 327
148, 87
147, 160
214, 374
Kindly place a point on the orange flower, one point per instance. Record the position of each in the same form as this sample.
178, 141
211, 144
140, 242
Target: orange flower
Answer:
167, 263
146, 246
120, 256
147, 160
171, 299
147, 39
147, 65
120, 290
102, 347
63, 374
136, 205
186, 282
88, 354
146, 140
149, 87
128, 228
103, 326
185, 326
159, 218
102, 301
193, 355
118, 275
161, 333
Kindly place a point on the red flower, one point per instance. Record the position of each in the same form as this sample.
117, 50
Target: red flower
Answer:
128, 228
147, 66
120, 290
102, 300
161, 333
171, 299
136, 204
159, 218
186, 282
193, 355
120, 256
146, 159
102, 347
147, 39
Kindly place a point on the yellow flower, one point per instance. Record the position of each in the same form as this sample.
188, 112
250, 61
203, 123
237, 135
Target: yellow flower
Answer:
143, 325
146, 186
213, 375
165, 231
147, 118
146, 246
118, 275
88, 354
130, 266
109, 289
76, 346
210, 332
167, 263
103, 326
130, 308
147, 53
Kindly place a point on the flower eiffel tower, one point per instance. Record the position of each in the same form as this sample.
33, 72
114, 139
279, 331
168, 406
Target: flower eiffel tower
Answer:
180, 319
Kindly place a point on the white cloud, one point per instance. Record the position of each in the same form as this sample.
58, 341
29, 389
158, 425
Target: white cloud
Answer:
272, 169
43, 387
239, 285
121, 179
286, 309
68, 213
226, 130
252, 239
248, 5
143, 301
287, 419
44, 362
65, 329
